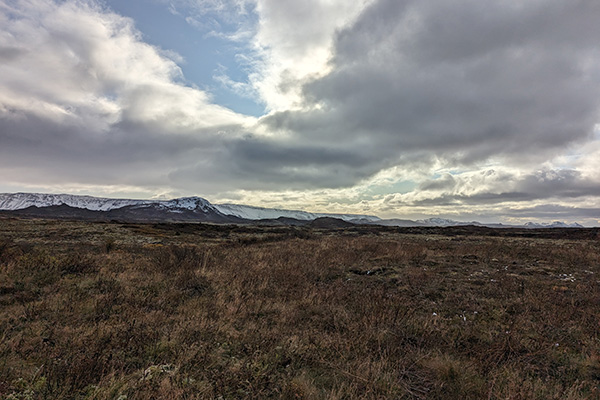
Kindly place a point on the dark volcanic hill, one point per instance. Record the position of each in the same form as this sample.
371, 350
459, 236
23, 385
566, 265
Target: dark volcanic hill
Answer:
328, 222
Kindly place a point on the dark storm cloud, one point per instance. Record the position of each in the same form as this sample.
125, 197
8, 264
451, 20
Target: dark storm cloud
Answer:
255, 163
466, 80
558, 183
72, 152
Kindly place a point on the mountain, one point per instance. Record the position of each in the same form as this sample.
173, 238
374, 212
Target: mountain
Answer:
97, 208
329, 223
134, 213
555, 224
254, 213
19, 201
442, 222
198, 209
181, 209
398, 222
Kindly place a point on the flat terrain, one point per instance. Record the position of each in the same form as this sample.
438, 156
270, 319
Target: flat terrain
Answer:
185, 311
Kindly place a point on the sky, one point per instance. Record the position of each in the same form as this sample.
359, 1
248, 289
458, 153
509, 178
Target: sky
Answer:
461, 109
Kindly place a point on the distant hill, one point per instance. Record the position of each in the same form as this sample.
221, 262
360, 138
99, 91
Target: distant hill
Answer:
329, 222
198, 209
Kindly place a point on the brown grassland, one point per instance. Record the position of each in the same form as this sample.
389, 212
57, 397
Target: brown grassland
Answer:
196, 311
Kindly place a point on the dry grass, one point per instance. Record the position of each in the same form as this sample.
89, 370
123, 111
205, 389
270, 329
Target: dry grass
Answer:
111, 311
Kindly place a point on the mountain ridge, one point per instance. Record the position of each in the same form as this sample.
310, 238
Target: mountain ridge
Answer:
199, 209
21, 201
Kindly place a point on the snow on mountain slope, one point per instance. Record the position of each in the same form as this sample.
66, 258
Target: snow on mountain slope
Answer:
250, 212
187, 203
18, 201
555, 224
444, 222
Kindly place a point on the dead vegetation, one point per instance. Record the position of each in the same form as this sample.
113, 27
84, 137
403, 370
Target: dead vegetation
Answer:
122, 311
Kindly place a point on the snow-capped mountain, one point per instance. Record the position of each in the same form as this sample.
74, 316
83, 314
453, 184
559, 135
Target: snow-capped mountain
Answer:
555, 224
444, 222
435, 221
97, 208
199, 209
184, 205
250, 212
18, 201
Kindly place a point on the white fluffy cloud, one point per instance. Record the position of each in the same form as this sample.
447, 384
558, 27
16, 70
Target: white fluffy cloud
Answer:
286, 42
295, 42
76, 59
83, 98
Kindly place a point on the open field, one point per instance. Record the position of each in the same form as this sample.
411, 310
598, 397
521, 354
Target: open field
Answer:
185, 311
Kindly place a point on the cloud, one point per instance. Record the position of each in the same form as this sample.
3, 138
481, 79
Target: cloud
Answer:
556, 212
281, 42
504, 194
500, 186
84, 99
293, 42
465, 80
